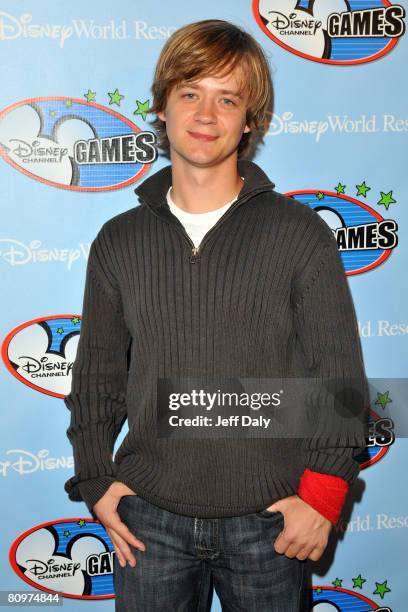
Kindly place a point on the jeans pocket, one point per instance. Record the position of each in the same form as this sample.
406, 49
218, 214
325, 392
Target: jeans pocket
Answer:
270, 513
127, 501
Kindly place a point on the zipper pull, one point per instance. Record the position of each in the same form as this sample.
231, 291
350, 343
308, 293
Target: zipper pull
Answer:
194, 258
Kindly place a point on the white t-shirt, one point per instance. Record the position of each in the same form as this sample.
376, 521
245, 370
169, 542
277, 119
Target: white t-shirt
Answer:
197, 224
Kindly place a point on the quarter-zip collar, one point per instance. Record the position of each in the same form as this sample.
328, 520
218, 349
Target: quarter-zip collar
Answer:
154, 189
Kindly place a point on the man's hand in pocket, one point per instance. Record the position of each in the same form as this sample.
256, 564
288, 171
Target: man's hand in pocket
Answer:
306, 531
106, 511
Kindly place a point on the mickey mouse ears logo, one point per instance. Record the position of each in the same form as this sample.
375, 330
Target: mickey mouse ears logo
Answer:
40, 352
72, 557
73, 144
332, 31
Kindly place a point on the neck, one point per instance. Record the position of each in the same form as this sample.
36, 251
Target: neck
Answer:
199, 189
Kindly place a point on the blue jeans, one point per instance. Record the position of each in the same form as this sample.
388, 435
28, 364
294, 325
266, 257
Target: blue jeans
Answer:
186, 557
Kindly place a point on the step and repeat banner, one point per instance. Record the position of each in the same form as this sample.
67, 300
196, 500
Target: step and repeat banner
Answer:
75, 79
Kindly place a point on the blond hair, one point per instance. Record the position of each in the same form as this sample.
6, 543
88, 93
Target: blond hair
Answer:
208, 48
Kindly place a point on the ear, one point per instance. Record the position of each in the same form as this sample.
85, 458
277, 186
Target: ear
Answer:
161, 115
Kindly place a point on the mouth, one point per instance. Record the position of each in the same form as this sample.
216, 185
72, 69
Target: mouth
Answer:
204, 137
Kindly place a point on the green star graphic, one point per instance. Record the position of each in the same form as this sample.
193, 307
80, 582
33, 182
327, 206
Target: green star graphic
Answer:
115, 97
337, 582
53, 113
68, 102
60, 330
362, 189
340, 188
318, 589
381, 588
81, 523
142, 108
67, 533
386, 199
75, 320
90, 95
320, 195
358, 582
383, 399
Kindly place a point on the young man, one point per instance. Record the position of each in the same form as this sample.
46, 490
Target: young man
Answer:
213, 276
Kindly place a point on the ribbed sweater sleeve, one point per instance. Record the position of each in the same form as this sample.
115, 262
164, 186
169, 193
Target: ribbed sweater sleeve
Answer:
326, 325
99, 376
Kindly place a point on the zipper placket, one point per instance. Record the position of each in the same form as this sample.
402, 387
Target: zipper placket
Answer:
196, 251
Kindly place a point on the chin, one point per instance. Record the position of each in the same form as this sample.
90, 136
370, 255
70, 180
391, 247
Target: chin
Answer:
202, 158
199, 158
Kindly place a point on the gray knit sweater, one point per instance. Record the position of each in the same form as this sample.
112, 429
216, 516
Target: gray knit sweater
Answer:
265, 296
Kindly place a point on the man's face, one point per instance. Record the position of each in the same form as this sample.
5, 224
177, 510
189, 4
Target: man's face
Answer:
205, 119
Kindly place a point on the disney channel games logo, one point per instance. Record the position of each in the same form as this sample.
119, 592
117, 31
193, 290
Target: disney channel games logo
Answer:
75, 144
332, 31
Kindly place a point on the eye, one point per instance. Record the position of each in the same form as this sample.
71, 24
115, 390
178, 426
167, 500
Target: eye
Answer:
187, 95
229, 101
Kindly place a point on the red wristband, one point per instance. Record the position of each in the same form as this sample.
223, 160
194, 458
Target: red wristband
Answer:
325, 492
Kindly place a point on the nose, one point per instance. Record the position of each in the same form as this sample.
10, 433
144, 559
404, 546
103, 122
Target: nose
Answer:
205, 112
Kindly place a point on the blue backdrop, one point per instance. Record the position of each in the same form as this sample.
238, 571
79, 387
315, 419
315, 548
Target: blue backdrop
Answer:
75, 73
